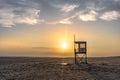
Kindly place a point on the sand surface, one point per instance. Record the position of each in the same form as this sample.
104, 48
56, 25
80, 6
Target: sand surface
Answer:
15, 68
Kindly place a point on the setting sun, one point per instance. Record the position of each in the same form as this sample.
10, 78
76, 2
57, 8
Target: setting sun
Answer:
64, 45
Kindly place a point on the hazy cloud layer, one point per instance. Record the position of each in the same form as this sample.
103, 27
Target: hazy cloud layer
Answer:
13, 12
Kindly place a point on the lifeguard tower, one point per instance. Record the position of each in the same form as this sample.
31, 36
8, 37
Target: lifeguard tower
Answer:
80, 51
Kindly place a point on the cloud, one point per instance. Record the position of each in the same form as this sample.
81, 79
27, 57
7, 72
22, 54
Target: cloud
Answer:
10, 17
68, 8
90, 16
62, 21
65, 21
30, 16
5, 18
111, 15
13, 13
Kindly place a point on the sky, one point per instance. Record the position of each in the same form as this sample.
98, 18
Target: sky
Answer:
40, 27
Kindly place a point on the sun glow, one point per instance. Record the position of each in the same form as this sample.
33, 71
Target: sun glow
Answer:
64, 45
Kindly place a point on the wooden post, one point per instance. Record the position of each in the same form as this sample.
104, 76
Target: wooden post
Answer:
74, 50
86, 52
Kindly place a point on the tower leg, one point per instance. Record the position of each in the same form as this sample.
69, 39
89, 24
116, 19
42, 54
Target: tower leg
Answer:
86, 58
75, 59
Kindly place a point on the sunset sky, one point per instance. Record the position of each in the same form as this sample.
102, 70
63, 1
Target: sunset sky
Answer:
42, 27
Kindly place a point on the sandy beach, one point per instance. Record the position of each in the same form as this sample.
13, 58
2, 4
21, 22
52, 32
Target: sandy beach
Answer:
23, 68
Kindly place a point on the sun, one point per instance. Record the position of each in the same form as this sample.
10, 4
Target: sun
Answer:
64, 45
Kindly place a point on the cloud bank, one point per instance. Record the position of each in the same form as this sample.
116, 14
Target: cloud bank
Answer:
31, 12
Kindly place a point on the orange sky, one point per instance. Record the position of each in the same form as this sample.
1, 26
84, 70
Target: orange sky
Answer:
41, 29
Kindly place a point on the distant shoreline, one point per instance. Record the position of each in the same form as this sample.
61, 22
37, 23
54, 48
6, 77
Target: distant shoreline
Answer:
53, 57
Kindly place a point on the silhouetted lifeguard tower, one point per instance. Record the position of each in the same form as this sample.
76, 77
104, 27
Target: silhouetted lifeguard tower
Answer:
80, 51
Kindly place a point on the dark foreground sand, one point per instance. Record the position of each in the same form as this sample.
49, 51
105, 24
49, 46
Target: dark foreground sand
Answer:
52, 69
